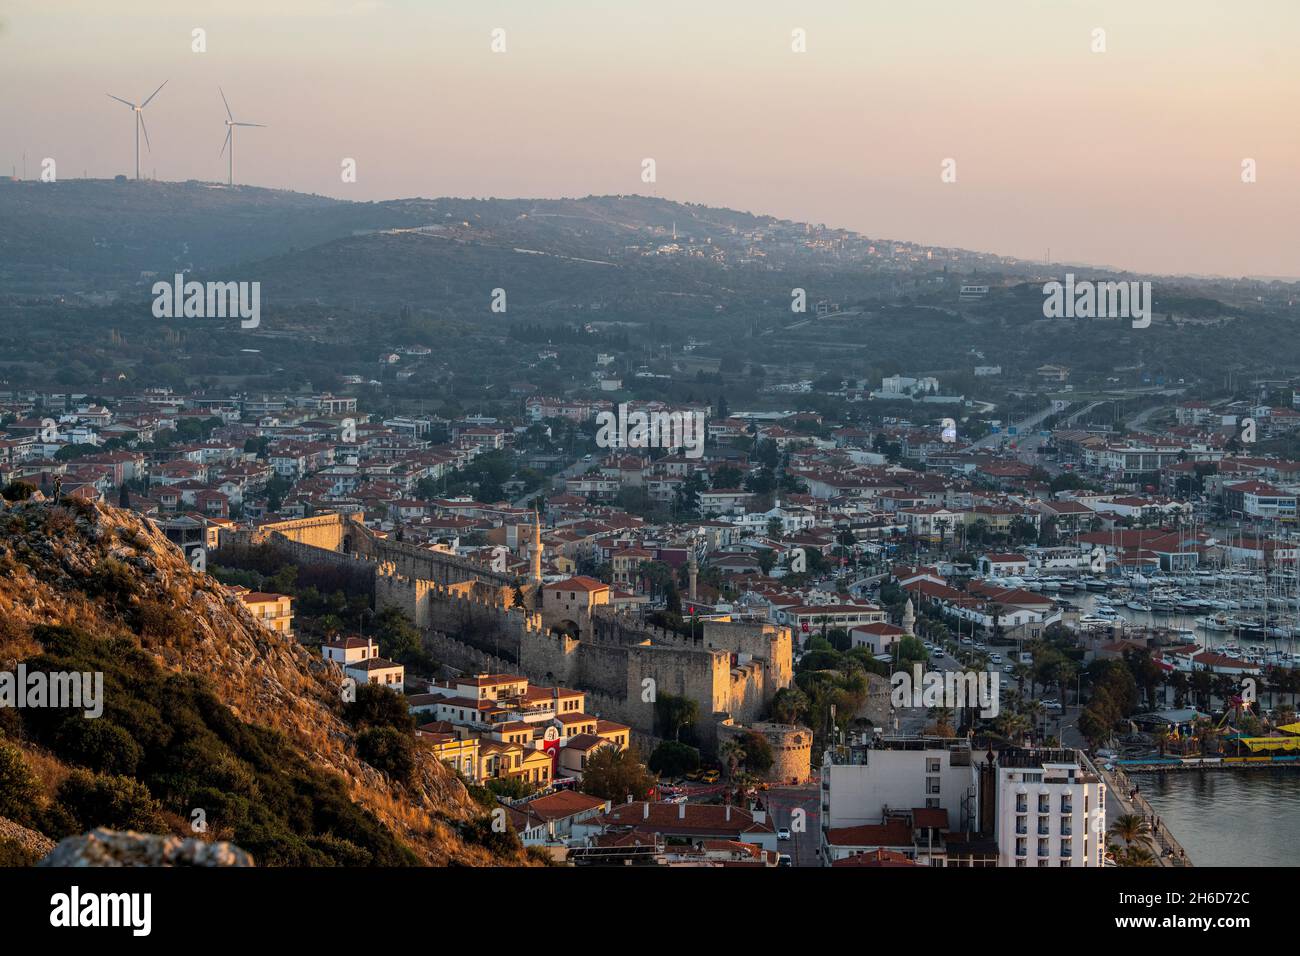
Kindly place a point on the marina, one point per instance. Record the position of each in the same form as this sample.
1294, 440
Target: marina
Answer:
1242, 613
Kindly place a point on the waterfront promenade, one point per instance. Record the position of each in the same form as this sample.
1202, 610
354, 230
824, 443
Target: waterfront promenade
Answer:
1121, 800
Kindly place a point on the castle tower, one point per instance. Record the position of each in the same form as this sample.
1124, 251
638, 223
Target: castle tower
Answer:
909, 619
693, 569
535, 574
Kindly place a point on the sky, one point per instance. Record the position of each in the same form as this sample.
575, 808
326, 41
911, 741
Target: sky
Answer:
1130, 158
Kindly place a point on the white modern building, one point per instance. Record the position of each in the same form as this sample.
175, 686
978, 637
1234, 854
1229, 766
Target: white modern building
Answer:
1051, 809
864, 782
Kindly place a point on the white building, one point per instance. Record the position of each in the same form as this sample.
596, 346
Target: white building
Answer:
861, 784
1051, 809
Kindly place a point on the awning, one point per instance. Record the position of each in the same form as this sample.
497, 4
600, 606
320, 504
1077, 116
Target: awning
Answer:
1272, 743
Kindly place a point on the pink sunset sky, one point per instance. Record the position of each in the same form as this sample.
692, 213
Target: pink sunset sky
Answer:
1130, 158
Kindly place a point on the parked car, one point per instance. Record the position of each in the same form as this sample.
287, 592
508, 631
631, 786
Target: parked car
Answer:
710, 776
783, 833
784, 860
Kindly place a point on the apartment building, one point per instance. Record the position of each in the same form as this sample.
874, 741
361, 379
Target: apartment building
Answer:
1051, 809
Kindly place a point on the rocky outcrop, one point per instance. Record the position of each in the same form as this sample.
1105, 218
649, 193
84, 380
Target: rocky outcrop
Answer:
110, 572
102, 847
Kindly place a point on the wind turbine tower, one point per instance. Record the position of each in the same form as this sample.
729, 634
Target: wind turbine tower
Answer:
139, 123
230, 137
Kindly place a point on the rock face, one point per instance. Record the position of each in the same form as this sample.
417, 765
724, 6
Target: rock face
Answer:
29, 840
102, 847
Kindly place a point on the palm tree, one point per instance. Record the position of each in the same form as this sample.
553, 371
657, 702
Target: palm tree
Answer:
1137, 856
941, 525
1020, 672
1035, 711
733, 755
942, 717
1132, 828
1011, 725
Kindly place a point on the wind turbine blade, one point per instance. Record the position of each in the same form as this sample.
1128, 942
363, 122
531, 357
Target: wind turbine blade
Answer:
229, 133
147, 144
152, 95
258, 125
119, 99
229, 115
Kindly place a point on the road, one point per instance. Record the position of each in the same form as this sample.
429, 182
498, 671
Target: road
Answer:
556, 480
1138, 422
805, 838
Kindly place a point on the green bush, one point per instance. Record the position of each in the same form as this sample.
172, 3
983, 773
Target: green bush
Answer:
102, 800
190, 751
19, 788
18, 491
98, 744
389, 751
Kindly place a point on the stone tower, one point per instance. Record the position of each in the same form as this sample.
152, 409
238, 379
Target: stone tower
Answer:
693, 570
909, 619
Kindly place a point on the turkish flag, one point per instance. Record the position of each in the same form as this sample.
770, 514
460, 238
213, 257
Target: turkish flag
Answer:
804, 626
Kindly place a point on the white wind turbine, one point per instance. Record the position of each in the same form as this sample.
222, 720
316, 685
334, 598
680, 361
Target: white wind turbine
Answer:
139, 124
230, 136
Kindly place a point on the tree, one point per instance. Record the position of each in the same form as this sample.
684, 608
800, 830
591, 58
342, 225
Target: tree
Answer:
614, 774
675, 713
377, 706
673, 759
732, 754
1131, 828
789, 705
758, 753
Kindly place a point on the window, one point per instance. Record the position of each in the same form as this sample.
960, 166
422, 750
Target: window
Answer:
932, 765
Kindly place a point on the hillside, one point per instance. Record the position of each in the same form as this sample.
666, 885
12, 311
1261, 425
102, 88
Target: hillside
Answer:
203, 708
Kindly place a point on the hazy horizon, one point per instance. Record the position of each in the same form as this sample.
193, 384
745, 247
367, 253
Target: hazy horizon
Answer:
1132, 158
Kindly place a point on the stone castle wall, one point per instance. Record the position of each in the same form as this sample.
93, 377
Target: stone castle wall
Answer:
468, 615
791, 748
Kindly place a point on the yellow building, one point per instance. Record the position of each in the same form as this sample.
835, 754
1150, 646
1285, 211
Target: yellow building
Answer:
274, 611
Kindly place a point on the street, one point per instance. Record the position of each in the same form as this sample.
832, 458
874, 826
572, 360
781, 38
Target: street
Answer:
805, 839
